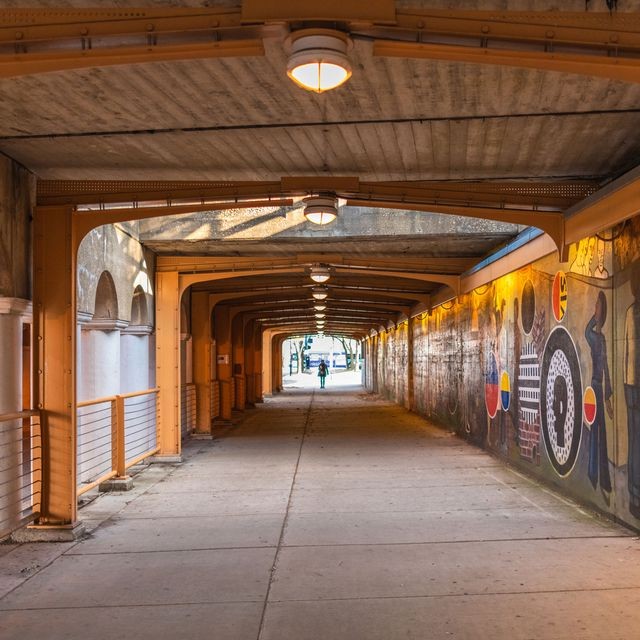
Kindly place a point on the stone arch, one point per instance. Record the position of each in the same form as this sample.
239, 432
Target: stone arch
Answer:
139, 308
106, 306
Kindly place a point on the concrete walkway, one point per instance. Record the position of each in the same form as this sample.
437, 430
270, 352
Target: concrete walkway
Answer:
329, 515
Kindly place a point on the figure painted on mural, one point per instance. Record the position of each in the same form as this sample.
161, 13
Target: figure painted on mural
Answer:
323, 370
631, 381
584, 255
601, 384
600, 271
515, 391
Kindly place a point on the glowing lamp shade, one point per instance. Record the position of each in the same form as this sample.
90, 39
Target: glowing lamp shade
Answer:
318, 60
321, 209
320, 273
320, 315
319, 307
319, 293
320, 323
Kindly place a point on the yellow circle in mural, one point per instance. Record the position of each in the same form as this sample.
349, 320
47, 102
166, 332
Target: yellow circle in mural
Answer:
505, 390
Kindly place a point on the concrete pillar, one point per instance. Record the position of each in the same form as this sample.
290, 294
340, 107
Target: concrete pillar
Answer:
13, 445
202, 374
249, 361
222, 329
134, 359
100, 349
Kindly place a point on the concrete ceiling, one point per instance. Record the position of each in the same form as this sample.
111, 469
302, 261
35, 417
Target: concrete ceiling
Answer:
396, 119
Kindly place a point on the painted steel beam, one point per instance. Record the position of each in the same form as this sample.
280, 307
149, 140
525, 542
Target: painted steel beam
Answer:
590, 43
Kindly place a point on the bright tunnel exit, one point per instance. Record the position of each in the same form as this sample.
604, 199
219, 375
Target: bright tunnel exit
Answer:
303, 358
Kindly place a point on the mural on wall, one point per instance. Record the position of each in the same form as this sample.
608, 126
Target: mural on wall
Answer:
631, 382
561, 395
536, 374
602, 392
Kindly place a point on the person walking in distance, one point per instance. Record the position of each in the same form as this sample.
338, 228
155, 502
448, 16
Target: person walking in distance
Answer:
323, 370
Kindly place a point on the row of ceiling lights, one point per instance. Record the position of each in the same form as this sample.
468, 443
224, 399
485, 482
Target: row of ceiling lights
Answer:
319, 62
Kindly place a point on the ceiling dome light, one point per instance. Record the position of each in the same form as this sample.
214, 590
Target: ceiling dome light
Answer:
320, 315
318, 60
319, 293
319, 307
321, 209
320, 323
320, 273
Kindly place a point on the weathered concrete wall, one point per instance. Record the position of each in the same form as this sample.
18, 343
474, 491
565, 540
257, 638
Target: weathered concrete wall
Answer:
17, 194
116, 250
542, 367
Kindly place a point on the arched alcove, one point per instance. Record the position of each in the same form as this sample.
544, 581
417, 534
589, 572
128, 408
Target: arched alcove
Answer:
106, 306
135, 349
139, 308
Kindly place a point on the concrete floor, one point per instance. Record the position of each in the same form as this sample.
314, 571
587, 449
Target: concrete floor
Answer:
329, 515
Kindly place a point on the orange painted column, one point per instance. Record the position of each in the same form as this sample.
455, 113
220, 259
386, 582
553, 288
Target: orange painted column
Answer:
238, 359
54, 355
249, 361
222, 330
168, 363
267, 369
201, 333
257, 359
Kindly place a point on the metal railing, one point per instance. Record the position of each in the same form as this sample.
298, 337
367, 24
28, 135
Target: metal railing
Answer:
187, 409
114, 433
20, 469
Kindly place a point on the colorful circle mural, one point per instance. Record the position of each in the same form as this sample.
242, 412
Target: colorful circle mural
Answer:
559, 296
528, 306
491, 393
589, 405
505, 390
561, 400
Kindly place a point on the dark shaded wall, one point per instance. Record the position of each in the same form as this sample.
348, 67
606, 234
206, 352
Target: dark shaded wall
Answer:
17, 193
541, 366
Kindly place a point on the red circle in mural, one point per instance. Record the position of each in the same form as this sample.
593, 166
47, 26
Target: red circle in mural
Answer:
589, 404
559, 296
491, 386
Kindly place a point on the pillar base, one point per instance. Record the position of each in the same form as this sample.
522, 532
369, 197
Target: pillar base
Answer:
168, 459
222, 422
116, 484
201, 436
49, 533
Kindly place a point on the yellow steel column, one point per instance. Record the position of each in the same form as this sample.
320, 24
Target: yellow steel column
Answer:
168, 362
54, 256
223, 362
249, 360
257, 364
238, 357
201, 332
267, 387
277, 363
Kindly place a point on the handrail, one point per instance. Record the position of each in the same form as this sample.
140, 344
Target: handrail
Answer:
118, 428
19, 415
133, 394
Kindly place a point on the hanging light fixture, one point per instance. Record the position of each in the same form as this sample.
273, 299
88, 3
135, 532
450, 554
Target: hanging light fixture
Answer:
318, 60
319, 293
320, 316
320, 273
319, 307
321, 209
320, 323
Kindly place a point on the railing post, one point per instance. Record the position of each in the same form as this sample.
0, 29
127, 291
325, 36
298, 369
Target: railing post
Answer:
120, 442
121, 482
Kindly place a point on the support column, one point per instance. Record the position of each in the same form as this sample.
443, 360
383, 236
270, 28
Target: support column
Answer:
238, 358
223, 360
249, 361
168, 364
257, 364
54, 319
201, 332
267, 379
